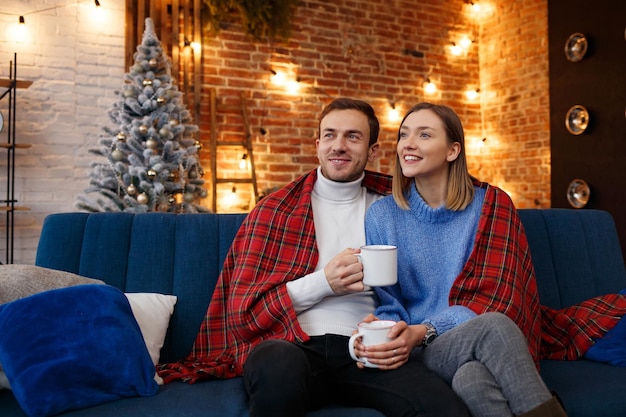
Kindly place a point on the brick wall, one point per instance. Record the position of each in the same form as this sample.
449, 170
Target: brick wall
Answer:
342, 48
74, 56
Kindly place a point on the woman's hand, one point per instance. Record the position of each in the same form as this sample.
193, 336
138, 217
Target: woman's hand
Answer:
393, 354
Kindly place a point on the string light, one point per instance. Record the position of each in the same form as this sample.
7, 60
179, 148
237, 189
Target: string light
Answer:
429, 87
465, 42
293, 87
232, 197
243, 163
393, 115
472, 94
21, 17
456, 49
278, 78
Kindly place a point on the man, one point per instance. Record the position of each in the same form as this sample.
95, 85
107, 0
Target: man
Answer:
291, 292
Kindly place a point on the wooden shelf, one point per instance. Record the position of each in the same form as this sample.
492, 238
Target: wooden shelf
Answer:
234, 180
15, 208
7, 83
17, 145
8, 205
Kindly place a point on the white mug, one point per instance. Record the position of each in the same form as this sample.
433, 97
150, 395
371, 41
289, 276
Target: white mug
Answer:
373, 333
380, 265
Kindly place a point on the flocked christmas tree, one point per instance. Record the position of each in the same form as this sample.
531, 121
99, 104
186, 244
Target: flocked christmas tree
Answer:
151, 155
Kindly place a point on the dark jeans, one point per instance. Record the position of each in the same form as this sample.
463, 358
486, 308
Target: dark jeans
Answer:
288, 379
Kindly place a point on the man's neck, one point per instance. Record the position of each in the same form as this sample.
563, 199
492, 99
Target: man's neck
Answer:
338, 191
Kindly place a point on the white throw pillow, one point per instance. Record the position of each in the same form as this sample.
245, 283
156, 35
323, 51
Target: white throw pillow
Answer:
152, 312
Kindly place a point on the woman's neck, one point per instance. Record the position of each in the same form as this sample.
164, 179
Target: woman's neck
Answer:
433, 192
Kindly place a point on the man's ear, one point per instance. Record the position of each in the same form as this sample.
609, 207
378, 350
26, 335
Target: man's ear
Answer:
373, 152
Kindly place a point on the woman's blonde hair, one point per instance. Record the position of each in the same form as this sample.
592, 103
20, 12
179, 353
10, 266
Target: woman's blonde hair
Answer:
460, 183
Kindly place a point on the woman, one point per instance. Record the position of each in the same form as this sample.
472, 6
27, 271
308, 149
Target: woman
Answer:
465, 282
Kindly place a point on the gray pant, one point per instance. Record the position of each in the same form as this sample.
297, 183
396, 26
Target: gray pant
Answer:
487, 362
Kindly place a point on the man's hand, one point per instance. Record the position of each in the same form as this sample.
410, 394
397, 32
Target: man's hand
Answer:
344, 273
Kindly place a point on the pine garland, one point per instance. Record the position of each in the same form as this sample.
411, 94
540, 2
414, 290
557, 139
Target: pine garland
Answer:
261, 19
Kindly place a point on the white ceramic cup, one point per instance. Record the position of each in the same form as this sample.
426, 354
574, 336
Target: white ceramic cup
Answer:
374, 333
380, 265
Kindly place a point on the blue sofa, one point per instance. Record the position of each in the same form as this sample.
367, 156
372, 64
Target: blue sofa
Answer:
576, 254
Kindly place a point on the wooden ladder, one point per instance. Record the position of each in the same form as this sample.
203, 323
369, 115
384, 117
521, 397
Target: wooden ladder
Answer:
245, 144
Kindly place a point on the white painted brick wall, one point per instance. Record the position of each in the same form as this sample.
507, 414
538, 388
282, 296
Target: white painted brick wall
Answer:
74, 54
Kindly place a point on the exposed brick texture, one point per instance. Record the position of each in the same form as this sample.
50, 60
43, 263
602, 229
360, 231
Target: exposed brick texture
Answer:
341, 48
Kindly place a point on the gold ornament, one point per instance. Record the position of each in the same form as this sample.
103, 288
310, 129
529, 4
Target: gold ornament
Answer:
198, 145
131, 190
142, 198
173, 122
164, 131
188, 197
151, 143
152, 174
117, 155
172, 176
121, 137
147, 83
160, 100
153, 62
171, 201
143, 129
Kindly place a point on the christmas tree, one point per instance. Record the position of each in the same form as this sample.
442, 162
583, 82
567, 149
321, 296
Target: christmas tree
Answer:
151, 155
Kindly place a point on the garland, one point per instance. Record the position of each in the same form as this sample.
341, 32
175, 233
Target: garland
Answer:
261, 19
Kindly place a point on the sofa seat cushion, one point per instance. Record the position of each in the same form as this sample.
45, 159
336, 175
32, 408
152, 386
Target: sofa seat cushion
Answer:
587, 388
217, 398
73, 347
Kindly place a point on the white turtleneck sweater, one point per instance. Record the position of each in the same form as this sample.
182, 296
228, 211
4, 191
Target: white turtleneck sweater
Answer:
338, 213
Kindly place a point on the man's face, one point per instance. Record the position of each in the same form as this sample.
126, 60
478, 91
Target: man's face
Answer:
343, 147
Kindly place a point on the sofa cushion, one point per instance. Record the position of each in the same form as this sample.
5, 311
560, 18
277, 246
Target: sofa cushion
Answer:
4, 381
216, 398
611, 348
19, 281
73, 347
152, 312
587, 388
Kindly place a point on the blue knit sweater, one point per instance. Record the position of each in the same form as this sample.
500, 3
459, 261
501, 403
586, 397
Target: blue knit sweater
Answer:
433, 246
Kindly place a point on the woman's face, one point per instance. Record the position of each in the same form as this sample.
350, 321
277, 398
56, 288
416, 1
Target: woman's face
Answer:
423, 147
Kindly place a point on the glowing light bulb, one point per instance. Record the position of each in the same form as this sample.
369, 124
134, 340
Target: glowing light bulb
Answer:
243, 163
293, 87
232, 197
430, 87
279, 78
393, 115
195, 46
472, 94
465, 42
456, 49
